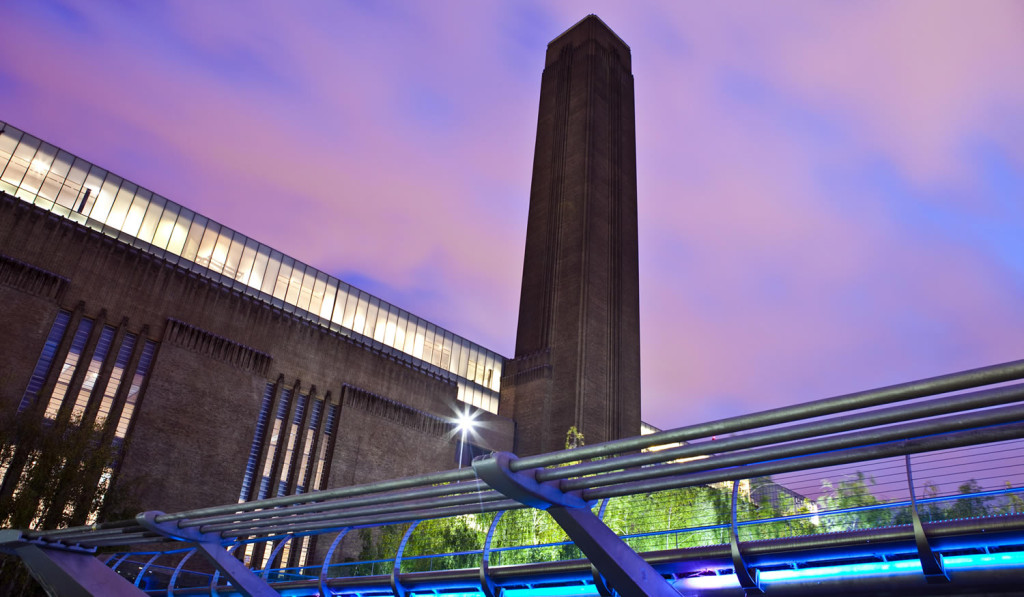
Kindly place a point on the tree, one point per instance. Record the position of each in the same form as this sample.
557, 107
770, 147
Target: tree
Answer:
969, 507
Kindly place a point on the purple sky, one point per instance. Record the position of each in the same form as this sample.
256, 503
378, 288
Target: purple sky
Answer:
831, 194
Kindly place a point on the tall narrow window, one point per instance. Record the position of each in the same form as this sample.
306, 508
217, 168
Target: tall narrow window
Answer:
268, 464
141, 371
318, 478
302, 480
93, 372
35, 383
124, 354
68, 369
294, 433
257, 442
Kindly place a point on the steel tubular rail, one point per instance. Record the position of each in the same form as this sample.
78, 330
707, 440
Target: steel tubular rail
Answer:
931, 408
971, 378
871, 452
473, 487
452, 476
327, 513
398, 517
736, 460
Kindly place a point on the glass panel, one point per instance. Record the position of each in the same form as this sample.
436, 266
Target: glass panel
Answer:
316, 297
273, 267
418, 343
306, 290
264, 270
337, 301
91, 190
180, 231
133, 220
72, 194
150, 222
141, 371
93, 372
38, 168
428, 343
124, 354
351, 302
246, 262
294, 283
391, 327
268, 464
166, 225
20, 160
55, 177
371, 316
35, 383
401, 342
284, 276
220, 249
194, 236
209, 239
359, 320
67, 370
233, 257
119, 210
447, 362
9, 137
105, 200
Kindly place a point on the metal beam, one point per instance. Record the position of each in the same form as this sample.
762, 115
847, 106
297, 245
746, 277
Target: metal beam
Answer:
70, 574
244, 580
626, 572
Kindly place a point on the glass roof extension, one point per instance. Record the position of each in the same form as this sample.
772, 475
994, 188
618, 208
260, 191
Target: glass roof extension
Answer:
55, 180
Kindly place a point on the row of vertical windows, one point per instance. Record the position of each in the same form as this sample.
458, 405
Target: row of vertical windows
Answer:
53, 179
88, 393
81, 374
290, 451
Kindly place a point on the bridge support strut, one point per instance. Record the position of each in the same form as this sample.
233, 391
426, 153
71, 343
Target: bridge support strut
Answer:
624, 570
245, 581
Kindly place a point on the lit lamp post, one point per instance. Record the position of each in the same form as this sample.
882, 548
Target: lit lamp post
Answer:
465, 424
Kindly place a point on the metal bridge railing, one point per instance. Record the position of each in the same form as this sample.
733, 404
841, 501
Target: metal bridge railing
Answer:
911, 470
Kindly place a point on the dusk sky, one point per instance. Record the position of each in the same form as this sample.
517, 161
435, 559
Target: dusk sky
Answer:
831, 194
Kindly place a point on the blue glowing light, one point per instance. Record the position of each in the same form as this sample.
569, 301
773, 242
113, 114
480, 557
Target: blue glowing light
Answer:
768, 577
569, 590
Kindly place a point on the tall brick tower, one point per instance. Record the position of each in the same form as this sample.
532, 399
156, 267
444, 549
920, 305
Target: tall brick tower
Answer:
577, 359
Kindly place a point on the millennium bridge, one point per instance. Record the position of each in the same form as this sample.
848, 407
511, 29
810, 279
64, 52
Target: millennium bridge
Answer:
910, 489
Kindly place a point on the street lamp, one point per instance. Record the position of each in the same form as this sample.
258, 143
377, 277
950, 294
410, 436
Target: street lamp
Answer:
465, 423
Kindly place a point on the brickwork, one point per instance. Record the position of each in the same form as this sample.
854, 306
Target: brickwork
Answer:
218, 348
579, 307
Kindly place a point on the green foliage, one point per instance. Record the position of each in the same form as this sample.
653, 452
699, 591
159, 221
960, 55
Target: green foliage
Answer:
573, 438
672, 519
59, 470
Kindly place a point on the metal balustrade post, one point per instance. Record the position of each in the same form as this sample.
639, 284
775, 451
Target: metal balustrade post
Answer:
142, 572
624, 569
931, 564
177, 571
396, 583
750, 582
325, 591
487, 585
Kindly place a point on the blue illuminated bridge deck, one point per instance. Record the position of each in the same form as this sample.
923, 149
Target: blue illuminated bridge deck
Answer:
912, 489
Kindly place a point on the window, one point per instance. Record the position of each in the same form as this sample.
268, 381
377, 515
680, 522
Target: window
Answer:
257, 442
45, 360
